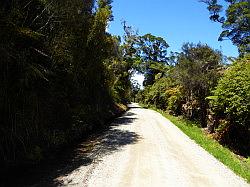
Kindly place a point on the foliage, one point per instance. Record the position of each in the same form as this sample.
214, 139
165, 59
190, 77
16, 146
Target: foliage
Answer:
197, 72
164, 94
232, 95
231, 106
135, 88
175, 99
152, 49
61, 74
236, 22
147, 54
183, 86
155, 94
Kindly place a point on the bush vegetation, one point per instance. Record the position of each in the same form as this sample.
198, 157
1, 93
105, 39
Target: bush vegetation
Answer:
61, 75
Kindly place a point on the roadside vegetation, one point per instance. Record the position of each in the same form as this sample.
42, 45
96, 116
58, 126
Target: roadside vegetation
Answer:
62, 75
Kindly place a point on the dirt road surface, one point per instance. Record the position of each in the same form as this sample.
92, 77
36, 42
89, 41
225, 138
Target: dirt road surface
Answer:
142, 148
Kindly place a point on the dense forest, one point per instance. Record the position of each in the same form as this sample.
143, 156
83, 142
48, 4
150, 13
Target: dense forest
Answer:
63, 75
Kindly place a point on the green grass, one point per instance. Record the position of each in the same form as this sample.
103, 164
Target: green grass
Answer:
241, 166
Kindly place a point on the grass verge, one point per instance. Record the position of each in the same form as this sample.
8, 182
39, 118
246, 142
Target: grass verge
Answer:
240, 166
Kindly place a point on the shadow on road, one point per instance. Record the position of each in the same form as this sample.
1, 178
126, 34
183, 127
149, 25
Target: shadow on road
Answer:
85, 153
123, 121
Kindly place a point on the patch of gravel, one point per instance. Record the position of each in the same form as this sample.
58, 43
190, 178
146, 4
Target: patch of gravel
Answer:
145, 149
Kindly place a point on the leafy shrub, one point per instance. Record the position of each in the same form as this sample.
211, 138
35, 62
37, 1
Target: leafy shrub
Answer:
231, 104
163, 94
232, 95
175, 99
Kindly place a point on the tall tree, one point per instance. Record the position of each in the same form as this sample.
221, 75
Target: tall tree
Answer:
152, 49
56, 72
197, 72
235, 23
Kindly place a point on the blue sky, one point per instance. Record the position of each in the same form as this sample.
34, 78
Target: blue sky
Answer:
176, 21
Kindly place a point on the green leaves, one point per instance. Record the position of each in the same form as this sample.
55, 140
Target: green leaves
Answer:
61, 73
233, 93
197, 68
235, 24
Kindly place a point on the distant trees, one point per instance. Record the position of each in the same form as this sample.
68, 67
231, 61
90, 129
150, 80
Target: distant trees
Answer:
146, 54
235, 23
152, 49
134, 90
187, 83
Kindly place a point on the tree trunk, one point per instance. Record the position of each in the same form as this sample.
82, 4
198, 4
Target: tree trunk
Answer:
203, 113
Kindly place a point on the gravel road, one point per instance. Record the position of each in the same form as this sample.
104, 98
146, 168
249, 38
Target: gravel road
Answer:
143, 148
